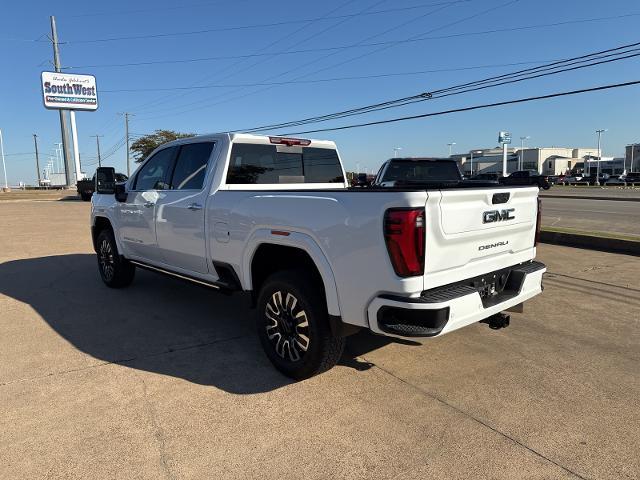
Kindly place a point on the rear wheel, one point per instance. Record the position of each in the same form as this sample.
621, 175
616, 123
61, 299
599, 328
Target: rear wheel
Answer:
85, 196
115, 270
293, 326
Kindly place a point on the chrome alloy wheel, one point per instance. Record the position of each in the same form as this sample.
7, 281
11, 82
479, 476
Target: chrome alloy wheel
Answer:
107, 262
288, 327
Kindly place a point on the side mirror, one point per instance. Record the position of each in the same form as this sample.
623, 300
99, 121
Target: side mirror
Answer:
106, 180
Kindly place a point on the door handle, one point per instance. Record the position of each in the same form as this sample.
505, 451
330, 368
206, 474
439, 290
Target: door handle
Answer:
194, 206
149, 204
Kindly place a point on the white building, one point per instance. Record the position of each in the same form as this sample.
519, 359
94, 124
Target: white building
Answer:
545, 160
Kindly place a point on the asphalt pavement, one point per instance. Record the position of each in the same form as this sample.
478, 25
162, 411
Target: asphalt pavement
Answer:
610, 216
167, 380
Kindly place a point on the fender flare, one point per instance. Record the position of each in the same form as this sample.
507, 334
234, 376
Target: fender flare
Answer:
303, 242
107, 218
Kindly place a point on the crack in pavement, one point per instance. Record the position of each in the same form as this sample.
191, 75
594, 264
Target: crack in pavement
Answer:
476, 419
158, 431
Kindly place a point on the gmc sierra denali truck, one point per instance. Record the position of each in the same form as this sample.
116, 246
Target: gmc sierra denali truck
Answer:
274, 217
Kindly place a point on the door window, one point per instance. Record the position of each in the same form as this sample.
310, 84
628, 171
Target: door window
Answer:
191, 166
153, 175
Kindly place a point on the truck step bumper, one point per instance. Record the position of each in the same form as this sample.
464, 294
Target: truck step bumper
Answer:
444, 309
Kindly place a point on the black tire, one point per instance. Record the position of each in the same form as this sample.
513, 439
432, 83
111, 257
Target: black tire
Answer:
115, 270
292, 307
86, 197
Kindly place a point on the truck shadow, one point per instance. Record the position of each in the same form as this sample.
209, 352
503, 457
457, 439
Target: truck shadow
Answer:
158, 324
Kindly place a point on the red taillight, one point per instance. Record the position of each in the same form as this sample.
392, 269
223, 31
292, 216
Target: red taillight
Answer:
289, 142
404, 233
538, 222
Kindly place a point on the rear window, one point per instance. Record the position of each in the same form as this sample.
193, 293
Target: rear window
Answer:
264, 164
422, 171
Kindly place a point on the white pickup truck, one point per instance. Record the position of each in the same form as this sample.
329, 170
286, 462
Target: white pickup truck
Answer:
274, 217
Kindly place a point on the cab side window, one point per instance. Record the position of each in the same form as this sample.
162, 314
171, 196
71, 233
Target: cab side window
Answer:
191, 166
154, 174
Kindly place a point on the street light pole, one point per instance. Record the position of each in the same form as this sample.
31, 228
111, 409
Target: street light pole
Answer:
451, 145
395, 151
599, 132
521, 156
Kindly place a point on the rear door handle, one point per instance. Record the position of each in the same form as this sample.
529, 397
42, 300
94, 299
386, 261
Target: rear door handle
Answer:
194, 206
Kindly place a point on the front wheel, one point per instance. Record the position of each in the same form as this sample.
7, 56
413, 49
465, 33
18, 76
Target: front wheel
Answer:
115, 270
293, 326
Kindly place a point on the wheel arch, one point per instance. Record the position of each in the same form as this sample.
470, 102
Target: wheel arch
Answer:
99, 224
265, 255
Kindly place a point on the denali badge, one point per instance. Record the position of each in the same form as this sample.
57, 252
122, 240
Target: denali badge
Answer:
498, 215
493, 245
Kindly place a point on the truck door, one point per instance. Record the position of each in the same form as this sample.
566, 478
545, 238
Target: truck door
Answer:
180, 213
136, 216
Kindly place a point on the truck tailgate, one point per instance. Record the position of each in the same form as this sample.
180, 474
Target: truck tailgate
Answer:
476, 231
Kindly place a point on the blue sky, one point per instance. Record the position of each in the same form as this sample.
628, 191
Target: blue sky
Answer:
227, 103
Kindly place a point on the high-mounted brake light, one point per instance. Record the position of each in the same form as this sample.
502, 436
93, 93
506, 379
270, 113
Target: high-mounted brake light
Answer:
289, 142
538, 222
404, 234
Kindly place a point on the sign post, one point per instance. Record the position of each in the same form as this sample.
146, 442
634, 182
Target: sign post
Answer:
505, 139
65, 91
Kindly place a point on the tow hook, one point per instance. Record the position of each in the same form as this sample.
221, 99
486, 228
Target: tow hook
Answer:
497, 321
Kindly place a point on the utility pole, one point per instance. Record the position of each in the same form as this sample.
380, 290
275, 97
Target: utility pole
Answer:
126, 134
4, 166
98, 146
35, 142
63, 113
599, 132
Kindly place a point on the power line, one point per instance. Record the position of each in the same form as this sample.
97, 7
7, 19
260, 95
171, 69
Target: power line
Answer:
315, 60
324, 80
352, 46
254, 26
260, 50
475, 107
145, 10
521, 75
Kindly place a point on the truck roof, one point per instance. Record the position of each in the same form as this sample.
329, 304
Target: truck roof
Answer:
249, 138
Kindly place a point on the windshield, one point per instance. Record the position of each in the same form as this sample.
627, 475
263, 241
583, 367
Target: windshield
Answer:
421, 171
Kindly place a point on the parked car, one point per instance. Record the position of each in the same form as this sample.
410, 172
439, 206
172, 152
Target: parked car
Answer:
615, 180
87, 186
632, 177
556, 179
527, 177
493, 177
427, 172
361, 180
275, 218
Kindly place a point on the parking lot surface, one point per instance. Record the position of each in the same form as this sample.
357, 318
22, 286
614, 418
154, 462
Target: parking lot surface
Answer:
611, 216
167, 380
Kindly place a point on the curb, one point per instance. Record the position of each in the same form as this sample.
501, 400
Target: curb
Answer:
588, 242
586, 197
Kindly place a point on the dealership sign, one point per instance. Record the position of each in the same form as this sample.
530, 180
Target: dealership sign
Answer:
504, 137
69, 91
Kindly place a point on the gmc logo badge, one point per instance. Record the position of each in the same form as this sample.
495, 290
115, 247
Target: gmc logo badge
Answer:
498, 215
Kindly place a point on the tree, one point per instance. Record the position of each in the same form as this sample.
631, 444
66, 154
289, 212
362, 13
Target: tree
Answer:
146, 144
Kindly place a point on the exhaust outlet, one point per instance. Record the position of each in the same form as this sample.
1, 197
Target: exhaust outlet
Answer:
497, 321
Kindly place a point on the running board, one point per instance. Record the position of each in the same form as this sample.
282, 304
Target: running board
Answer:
221, 286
